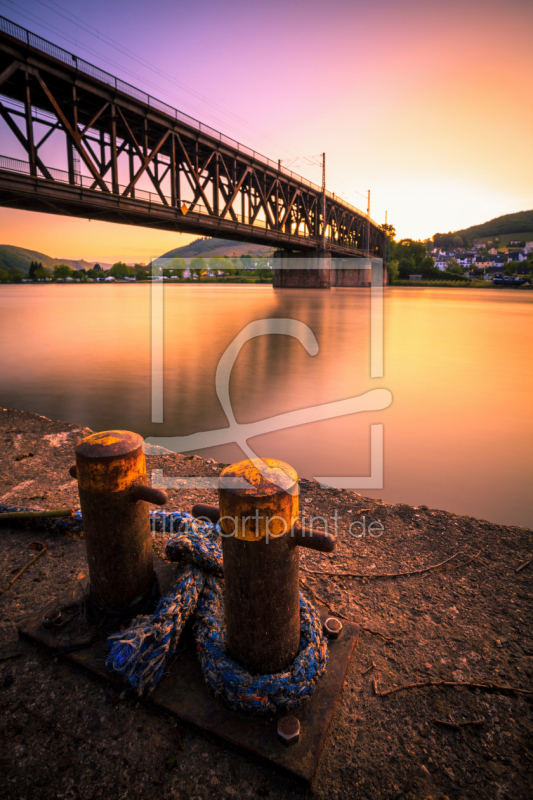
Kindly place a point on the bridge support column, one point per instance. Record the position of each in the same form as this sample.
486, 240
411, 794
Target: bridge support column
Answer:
347, 275
302, 271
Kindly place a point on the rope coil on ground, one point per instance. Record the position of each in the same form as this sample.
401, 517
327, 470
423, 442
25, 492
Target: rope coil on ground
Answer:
142, 652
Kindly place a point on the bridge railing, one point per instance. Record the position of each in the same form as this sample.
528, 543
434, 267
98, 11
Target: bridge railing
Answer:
37, 42
87, 182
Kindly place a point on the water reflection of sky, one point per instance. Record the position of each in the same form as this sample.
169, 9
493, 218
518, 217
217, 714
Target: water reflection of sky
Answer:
458, 362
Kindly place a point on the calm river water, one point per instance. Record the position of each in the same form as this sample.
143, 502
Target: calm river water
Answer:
459, 364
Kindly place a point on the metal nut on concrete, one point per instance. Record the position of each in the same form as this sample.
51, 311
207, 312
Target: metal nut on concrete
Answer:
288, 729
333, 627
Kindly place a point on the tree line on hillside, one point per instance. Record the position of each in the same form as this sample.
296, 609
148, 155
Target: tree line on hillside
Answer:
508, 223
455, 241
404, 258
203, 246
197, 267
37, 272
410, 256
200, 268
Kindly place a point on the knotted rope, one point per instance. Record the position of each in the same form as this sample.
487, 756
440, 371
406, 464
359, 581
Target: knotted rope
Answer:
142, 652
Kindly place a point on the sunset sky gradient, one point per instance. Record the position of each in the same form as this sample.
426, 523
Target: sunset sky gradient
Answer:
427, 104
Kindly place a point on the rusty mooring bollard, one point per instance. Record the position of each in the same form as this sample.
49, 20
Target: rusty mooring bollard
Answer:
260, 535
111, 472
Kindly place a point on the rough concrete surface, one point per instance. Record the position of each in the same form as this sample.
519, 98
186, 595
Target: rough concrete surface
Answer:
64, 734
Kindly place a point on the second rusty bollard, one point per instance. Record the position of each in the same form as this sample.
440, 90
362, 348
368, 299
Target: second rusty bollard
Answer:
260, 538
111, 473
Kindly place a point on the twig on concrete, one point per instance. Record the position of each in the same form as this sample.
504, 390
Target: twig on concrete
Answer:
524, 565
34, 559
458, 725
374, 633
10, 655
384, 574
366, 671
464, 563
487, 687
339, 614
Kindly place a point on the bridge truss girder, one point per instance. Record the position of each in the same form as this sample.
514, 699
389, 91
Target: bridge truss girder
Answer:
115, 144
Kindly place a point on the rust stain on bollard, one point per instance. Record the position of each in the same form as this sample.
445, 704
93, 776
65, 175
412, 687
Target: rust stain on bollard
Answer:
111, 474
261, 590
110, 461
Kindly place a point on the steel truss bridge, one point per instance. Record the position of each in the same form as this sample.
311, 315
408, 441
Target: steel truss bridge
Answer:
92, 146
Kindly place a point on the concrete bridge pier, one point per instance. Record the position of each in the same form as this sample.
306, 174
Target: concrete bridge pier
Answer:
347, 275
297, 270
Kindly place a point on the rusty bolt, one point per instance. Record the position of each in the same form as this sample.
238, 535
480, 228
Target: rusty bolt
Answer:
333, 627
288, 729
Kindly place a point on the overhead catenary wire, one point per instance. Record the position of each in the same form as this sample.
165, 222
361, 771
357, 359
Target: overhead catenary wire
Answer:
130, 54
67, 15
106, 59
106, 40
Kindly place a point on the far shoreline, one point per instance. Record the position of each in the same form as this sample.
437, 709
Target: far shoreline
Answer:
251, 282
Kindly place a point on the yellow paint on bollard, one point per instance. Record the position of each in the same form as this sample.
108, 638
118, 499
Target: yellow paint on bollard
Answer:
102, 438
110, 461
261, 591
268, 507
114, 497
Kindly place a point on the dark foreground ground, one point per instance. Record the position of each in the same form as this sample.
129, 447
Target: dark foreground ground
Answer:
64, 734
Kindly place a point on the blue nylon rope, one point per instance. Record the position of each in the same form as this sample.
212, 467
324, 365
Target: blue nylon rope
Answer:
141, 653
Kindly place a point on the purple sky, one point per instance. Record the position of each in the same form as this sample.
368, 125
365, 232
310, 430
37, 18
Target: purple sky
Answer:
429, 105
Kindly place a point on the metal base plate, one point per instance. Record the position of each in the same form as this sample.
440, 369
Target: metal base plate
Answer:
184, 694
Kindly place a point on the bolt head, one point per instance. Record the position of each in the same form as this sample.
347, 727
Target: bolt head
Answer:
288, 729
333, 627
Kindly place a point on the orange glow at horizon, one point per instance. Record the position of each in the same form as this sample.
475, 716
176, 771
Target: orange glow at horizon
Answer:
72, 238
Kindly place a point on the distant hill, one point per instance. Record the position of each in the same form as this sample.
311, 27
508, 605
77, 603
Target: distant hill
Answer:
505, 226
11, 256
209, 248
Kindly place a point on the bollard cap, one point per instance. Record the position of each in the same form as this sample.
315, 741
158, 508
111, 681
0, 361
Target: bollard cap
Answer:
265, 476
258, 498
110, 461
